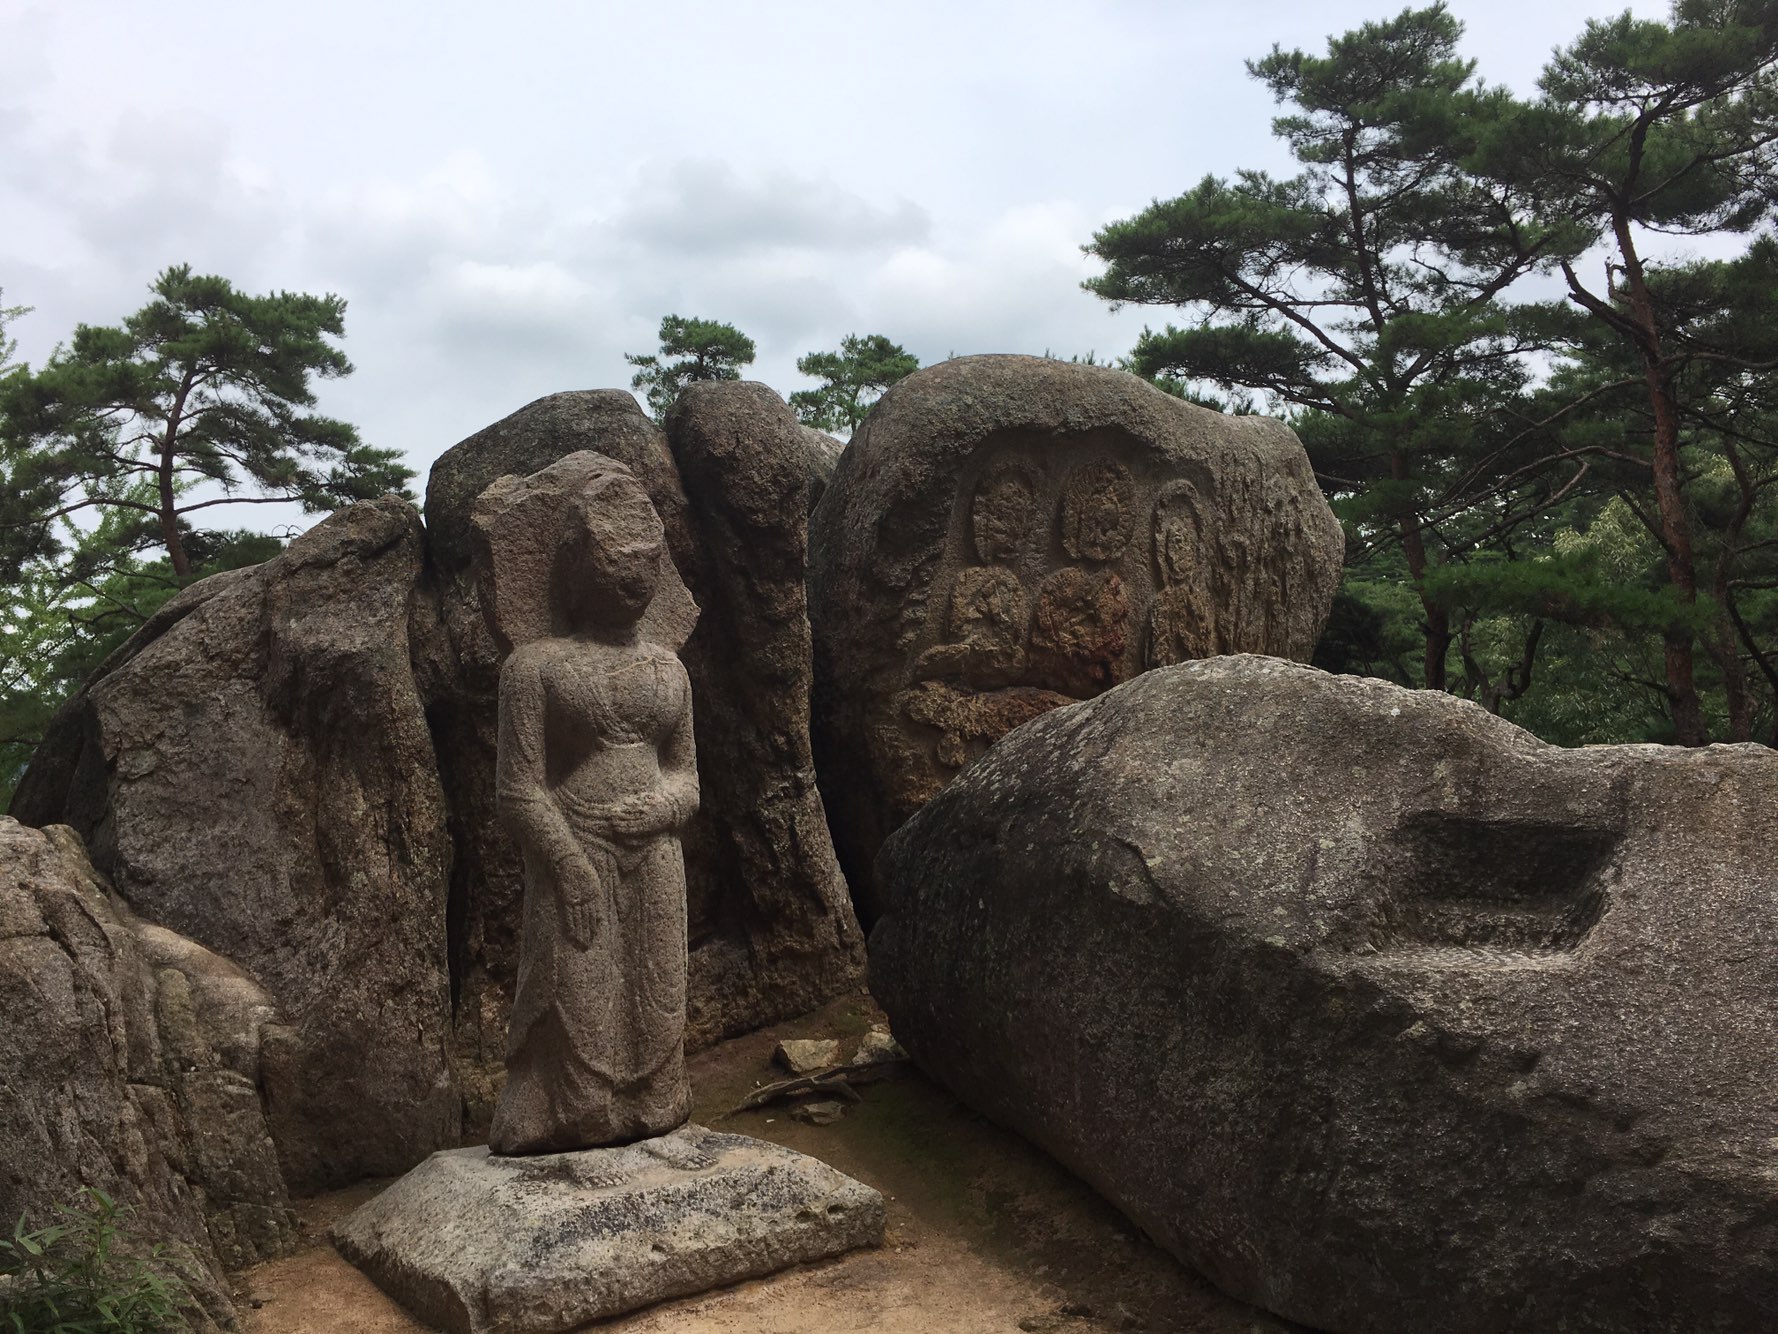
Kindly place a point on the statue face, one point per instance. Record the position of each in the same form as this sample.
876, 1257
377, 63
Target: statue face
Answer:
621, 548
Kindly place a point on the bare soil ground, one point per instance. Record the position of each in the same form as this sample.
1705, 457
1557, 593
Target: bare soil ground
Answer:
986, 1234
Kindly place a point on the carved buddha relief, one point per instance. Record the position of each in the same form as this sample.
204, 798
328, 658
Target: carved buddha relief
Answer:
1097, 503
987, 612
1182, 621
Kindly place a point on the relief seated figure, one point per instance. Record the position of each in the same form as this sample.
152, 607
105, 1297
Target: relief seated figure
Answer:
987, 614
595, 778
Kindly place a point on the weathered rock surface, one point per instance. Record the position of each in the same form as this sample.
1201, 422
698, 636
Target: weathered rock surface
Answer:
1007, 534
1379, 1011
129, 1063
785, 937
607, 421
770, 927
821, 455
473, 1243
339, 709
254, 771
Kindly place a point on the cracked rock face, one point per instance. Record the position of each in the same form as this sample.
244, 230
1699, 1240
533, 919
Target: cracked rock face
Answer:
1366, 1003
254, 770
129, 1062
1007, 535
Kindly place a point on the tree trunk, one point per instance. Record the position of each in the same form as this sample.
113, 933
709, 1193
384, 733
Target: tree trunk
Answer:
1676, 533
1438, 620
1761, 659
1676, 536
1727, 658
169, 513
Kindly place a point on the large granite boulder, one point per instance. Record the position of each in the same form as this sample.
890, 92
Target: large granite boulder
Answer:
789, 941
821, 455
129, 1064
1005, 535
771, 932
1374, 1008
531, 439
254, 771
294, 765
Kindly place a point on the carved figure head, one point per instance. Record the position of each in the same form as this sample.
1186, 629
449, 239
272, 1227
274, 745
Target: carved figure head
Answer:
1096, 505
1177, 533
611, 557
1002, 512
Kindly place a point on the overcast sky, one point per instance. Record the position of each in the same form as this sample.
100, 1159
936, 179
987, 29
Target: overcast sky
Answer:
510, 198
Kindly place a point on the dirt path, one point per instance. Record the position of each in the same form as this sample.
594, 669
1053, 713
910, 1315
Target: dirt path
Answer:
986, 1235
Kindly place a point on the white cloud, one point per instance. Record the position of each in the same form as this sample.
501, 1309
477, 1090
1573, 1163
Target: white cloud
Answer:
705, 206
509, 208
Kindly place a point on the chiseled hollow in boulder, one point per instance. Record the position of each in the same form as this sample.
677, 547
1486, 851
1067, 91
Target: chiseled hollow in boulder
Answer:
479, 1244
1006, 535
1379, 1011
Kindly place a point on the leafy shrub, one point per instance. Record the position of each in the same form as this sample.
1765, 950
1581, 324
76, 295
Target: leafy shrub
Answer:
80, 1276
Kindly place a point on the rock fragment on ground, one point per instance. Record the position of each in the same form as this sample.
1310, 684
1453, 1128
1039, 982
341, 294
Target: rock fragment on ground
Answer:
804, 1056
878, 1047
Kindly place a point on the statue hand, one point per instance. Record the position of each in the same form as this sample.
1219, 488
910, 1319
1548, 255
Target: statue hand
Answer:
641, 814
578, 885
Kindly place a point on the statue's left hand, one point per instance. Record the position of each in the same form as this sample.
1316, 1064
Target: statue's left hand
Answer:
642, 814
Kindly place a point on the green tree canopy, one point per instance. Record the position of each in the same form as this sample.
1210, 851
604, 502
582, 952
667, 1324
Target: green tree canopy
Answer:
853, 379
204, 389
691, 349
1361, 295
8, 346
1647, 127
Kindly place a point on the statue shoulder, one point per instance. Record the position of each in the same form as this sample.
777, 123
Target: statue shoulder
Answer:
531, 659
675, 669
526, 656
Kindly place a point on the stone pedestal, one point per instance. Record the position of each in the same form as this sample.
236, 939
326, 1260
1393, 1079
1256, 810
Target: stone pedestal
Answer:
473, 1243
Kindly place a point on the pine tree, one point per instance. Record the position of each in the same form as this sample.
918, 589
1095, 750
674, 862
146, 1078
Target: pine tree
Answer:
706, 350
9, 346
205, 390
1649, 127
854, 378
1361, 297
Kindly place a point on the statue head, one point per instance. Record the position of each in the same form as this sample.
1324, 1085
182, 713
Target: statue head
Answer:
576, 548
612, 547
